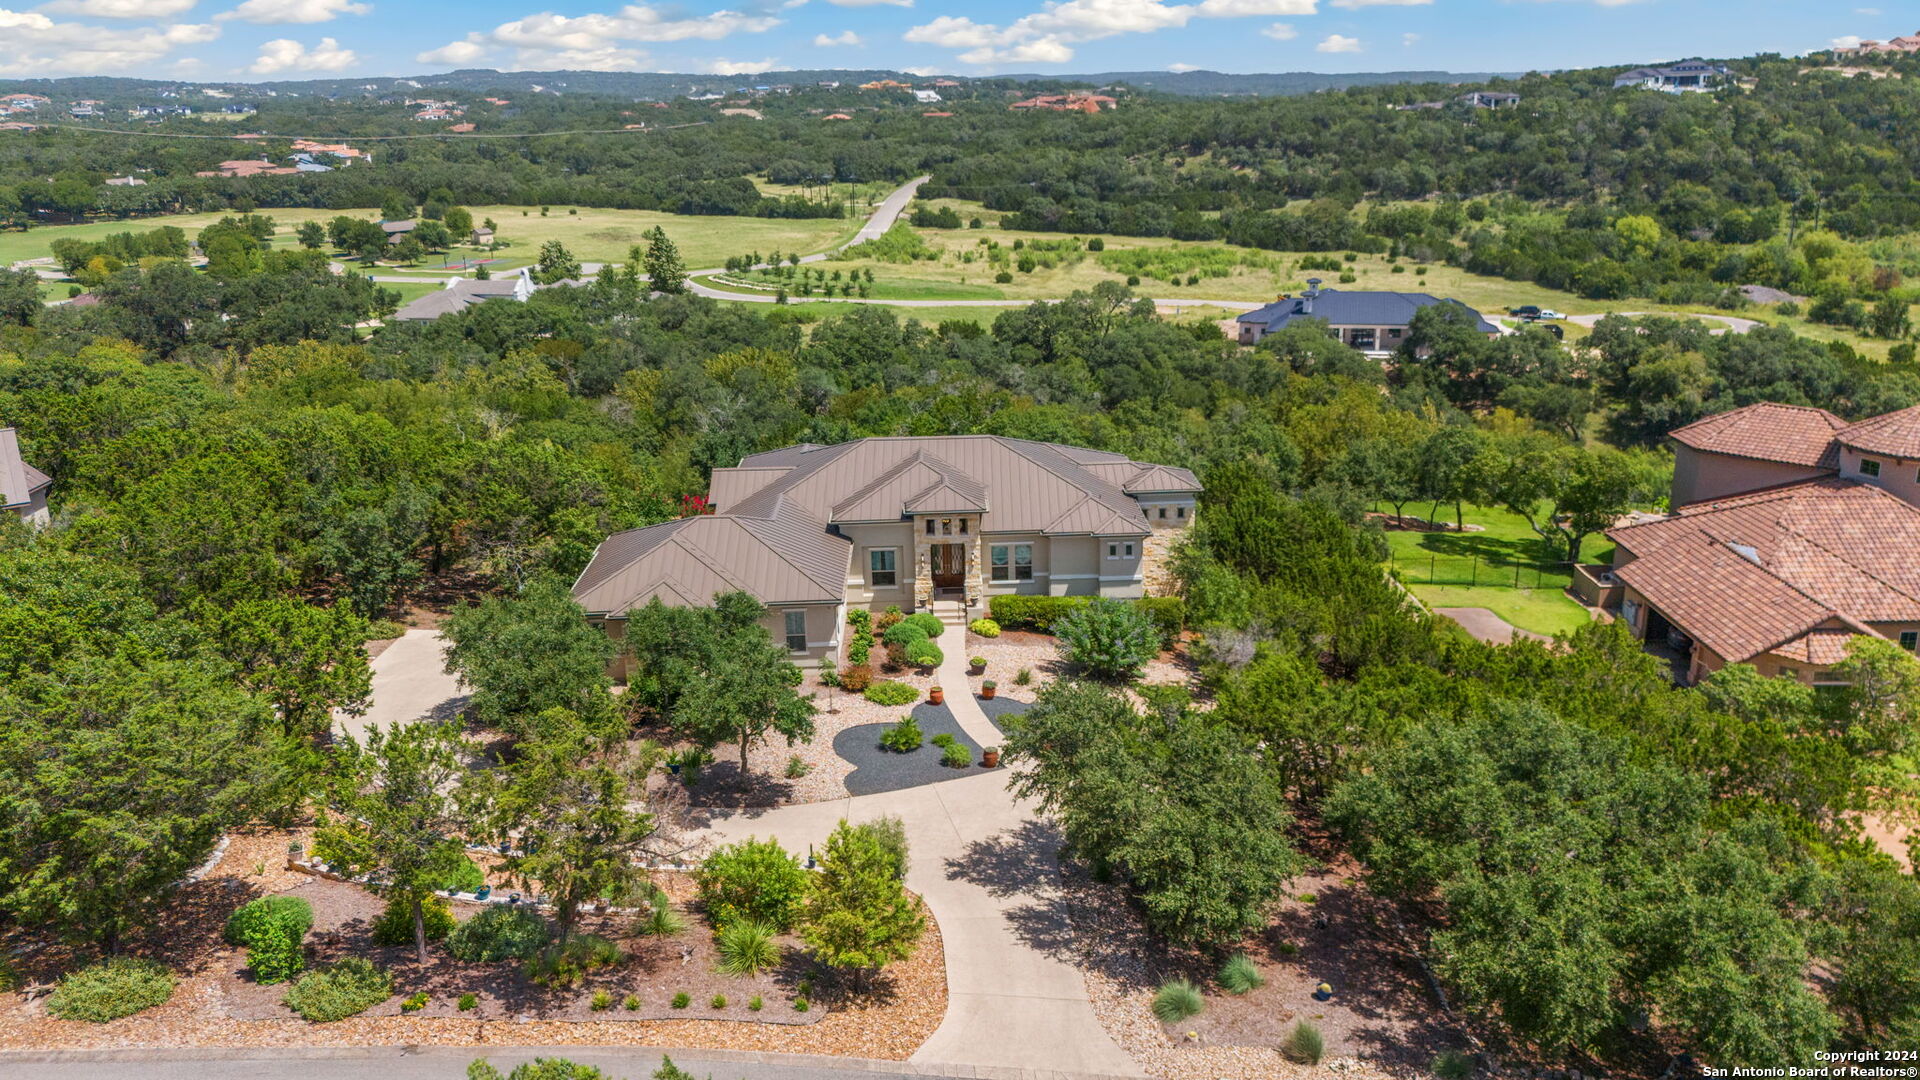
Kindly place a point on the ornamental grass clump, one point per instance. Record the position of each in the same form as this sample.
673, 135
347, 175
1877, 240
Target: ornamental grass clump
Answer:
903, 737
1240, 975
1305, 1045
1176, 1000
747, 948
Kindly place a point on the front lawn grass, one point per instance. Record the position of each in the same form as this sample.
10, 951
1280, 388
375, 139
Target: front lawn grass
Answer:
1504, 567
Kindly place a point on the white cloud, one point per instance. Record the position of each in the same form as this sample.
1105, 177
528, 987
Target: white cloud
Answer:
1850, 41
1867, 11
870, 3
1338, 43
1407, 40
456, 52
596, 42
1353, 5
1280, 32
739, 67
286, 54
35, 44
297, 12
1178, 68
921, 72
827, 41
121, 9
1047, 36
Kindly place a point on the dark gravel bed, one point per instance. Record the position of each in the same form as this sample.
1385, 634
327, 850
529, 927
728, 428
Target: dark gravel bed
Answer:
1003, 706
876, 770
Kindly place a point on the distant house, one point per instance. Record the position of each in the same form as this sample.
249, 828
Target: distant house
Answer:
1792, 533
1684, 77
927, 97
305, 163
836, 116
918, 523
1373, 322
1899, 45
397, 229
885, 84
1086, 103
1479, 99
126, 181
23, 488
482, 236
459, 294
241, 169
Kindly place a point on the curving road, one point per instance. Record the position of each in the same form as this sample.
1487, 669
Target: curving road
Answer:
1732, 323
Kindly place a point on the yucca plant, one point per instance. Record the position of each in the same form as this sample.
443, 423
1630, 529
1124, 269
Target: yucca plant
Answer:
1176, 1000
747, 948
1241, 976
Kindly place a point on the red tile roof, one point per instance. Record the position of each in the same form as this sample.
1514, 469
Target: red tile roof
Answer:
1747, 575
1897, 434
1793, 434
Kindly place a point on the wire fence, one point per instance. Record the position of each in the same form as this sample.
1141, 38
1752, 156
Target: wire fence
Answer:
1474, 571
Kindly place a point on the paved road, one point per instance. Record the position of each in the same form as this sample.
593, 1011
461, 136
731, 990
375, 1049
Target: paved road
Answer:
409, 681
1733, 322
428, 1063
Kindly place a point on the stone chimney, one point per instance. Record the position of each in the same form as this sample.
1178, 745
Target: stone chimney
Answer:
1313, 290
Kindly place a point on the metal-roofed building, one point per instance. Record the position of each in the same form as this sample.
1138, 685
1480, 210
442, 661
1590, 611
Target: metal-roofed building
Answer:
1373, 322
23, 488
810, 531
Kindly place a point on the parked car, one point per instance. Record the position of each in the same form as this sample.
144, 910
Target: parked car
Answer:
1555, 329
1526, 311
1549, 313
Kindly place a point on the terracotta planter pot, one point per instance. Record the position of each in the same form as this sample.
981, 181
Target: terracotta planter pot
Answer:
987, 692
990, 758
936, 696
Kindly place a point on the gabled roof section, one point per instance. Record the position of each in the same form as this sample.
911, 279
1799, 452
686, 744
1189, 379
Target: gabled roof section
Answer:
919, 484
1746, 574
1094, 519
776, 561
1158, 478
1897, 434
18, 480
1767, 431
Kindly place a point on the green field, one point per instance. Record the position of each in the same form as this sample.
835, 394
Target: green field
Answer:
592, 235
1504, 567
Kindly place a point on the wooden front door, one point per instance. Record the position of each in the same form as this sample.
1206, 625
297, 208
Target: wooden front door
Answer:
949, 566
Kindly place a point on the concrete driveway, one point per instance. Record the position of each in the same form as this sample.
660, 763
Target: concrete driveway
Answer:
410, 682
1488, 627
1730, 323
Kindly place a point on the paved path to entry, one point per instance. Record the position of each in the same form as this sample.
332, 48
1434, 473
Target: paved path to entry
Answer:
410, 681
1487, 626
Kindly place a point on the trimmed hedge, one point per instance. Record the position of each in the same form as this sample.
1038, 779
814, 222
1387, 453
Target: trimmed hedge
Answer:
905, 632
888, 692
1169, 613
927, 621
113, 988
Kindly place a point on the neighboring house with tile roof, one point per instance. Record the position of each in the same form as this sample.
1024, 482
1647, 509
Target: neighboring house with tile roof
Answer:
1373, 322
811, 531
1792, 532
23, 488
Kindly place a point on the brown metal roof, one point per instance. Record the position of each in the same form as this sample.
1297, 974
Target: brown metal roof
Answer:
18, 480
1744, 575
1793, 434
791, 560
1897, 434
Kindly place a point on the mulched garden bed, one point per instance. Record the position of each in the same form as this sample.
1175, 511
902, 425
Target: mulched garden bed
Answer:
653, 971
876, 770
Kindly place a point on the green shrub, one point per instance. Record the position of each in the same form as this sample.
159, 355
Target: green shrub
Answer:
800, 1004
463, 875
274, 931
906, 632
468, 1002
927, 621
115, 987
660, 921
602, 1001
719, 1001
903, 737
395, 924
979, 662
985, 628
1304, 1045
890, 693
631, 1003
956, 756
681, 1000
1110, 639
754, 1004
415, 1003
1241, 975
925, 654
1288, 948
747, 948
752, 881
1004, 277
1023, 677
857, 677
340, 990
500, 932
1453, 1065
1168, 613
573, 960
1177, 1000
797, 767
943, 740
861, 619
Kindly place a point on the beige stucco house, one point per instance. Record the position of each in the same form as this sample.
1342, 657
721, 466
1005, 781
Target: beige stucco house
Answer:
23, 488
812, 531
1792, 532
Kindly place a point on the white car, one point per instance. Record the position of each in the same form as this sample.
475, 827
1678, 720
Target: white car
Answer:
1549, 313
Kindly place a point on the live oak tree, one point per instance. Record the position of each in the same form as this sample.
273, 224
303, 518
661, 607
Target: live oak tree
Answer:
306, 661
556, 264
393, 814
525, 654
666, 272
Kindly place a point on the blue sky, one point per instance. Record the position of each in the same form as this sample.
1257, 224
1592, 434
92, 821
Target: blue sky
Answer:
295, 39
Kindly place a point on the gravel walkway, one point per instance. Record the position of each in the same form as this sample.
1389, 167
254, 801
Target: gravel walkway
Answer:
876, 770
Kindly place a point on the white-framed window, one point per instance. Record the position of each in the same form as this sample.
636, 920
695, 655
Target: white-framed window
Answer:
796, 631
1011, 562
883, 568
1869, 467
1119, 549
